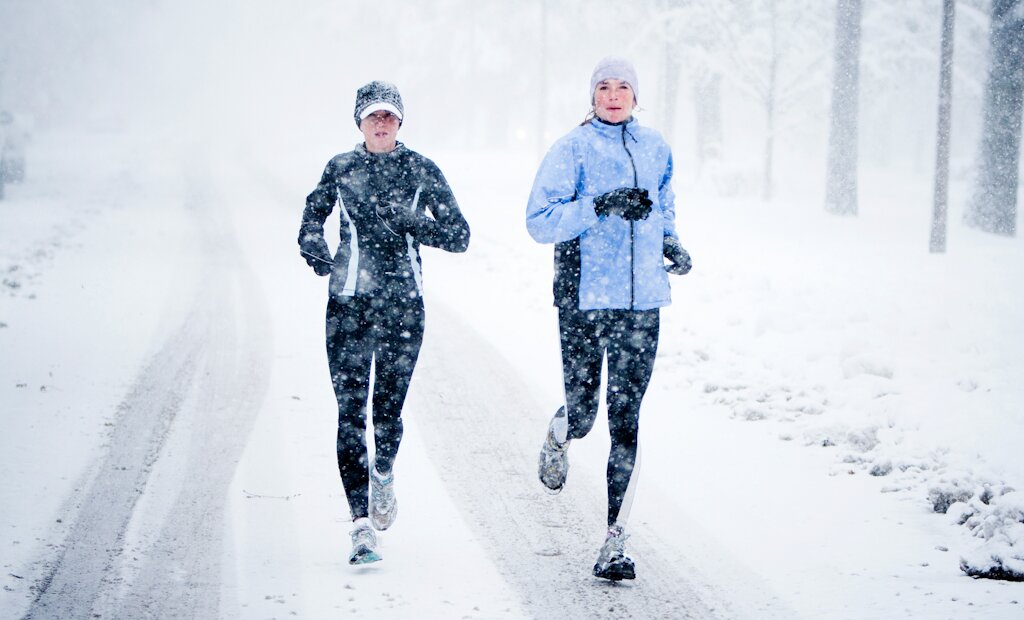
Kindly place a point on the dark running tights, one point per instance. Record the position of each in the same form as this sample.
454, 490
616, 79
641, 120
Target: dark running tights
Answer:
630, 340
389, 332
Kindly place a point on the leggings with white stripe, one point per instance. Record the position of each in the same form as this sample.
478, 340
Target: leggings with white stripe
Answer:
629, 338
387, 330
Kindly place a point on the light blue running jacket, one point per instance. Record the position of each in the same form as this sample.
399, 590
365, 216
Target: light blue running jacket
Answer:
618, 264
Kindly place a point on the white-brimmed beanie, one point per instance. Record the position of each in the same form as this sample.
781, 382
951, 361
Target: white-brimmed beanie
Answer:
378, 95
618, 68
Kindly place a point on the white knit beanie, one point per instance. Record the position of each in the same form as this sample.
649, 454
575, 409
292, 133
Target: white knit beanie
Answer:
618, 68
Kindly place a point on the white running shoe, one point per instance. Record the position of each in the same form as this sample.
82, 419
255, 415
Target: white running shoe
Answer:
383, 505
612, 562
364, 543
553, 465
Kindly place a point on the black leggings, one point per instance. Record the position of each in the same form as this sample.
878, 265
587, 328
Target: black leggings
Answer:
630, 339
389, 331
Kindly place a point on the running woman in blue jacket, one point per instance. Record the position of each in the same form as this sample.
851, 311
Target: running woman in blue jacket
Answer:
603, 197
384, 192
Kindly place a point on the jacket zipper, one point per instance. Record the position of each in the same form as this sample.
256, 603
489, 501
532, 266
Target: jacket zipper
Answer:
632, 264
632, 230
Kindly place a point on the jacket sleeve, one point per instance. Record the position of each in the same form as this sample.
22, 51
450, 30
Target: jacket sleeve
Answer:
319, 205
667, 199
448, 229
555, 211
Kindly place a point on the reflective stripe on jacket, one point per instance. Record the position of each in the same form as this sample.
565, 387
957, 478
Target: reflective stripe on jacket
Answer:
370, 259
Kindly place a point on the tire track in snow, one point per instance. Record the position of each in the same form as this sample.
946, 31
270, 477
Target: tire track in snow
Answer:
86, 562
483, 436
181, 573
209, 376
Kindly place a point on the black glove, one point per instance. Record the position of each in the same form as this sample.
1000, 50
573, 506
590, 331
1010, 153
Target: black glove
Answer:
318, 256
639, 206
612, 203
678, 256
399, 219
629, 203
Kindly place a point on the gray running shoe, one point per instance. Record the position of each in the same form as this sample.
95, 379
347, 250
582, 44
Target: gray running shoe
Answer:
383, 505
364, 543
612, 562
553, 465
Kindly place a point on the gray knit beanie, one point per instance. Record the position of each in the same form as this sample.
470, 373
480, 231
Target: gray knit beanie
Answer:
617, 68
378, 95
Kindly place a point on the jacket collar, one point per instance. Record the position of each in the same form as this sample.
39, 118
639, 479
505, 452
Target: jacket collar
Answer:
614, 130
361, 149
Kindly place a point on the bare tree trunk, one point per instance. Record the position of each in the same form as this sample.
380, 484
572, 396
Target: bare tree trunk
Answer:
542, 98
708, 96
993, 207
841, 182
769, 143
939, 208
670, 92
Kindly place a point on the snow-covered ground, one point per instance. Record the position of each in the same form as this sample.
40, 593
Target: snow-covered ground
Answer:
822, 384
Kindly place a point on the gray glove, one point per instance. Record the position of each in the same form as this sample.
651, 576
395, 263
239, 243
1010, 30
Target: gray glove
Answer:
678, 256
398, 219
318, 256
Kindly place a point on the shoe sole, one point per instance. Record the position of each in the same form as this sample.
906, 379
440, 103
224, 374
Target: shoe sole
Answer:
364, 556
551, 491
615, 573
382, 522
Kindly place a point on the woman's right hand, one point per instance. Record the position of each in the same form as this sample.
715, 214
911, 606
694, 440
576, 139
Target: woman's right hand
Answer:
639, 206
629, 203
317, 254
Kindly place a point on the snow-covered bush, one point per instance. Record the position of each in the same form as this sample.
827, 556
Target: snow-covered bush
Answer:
997, 516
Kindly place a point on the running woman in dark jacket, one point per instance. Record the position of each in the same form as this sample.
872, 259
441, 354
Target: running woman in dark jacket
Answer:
384, 192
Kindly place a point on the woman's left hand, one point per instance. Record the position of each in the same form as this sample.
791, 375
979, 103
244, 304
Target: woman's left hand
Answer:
678, 256
398, 218
638, 207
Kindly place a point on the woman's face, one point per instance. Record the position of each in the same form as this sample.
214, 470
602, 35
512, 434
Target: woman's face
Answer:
380, 131
613, 100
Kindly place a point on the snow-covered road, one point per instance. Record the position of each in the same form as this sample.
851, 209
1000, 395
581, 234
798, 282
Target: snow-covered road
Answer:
477, 535
834, 426
169, 421
145, 536
482, 422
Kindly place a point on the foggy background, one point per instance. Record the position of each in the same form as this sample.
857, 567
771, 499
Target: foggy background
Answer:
812, 365
279, 78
